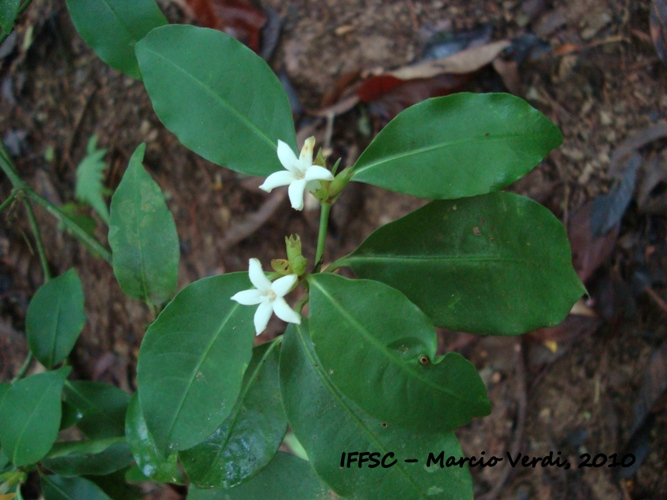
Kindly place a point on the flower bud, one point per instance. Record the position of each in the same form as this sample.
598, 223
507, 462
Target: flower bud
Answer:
293, 245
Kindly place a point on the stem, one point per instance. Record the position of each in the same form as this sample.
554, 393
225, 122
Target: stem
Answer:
24, 7
322, 236
38, 241
24, 368
90, 242
8, 201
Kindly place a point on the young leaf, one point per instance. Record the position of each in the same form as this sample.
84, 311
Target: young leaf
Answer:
75, 488
30, 416
90, 179
142, 236
309, 393
457, 146
220, 98
250, 436
55, 319
9, 9
192, 361
112, 27
285, 478
372, 340
96, 457
149, 460
498, 264
102, 408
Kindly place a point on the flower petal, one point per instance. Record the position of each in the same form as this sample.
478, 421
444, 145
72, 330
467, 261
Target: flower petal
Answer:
317, 173
257, 276
277, 179
287, 157
282, 286
262, 316
295, 191
248, 297
306, 155
285, 312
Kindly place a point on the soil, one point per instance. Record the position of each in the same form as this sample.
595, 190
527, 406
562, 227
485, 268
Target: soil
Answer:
599, 80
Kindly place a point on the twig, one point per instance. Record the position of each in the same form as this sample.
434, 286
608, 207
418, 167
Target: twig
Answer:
38, 240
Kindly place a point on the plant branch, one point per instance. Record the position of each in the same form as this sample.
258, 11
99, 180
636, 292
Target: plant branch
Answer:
5, 204
89, 241
322, 236
26, 364
38, 240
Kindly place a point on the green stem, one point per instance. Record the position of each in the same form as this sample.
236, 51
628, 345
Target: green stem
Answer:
322, 236
24, 7
38, 241
90, 242
7, 202
24, 368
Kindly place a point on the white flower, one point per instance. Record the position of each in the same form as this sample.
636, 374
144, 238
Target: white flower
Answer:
269, 296
300, 173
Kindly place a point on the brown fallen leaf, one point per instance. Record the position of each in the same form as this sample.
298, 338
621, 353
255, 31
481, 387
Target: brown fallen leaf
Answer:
238, 18
658, 24
589, 251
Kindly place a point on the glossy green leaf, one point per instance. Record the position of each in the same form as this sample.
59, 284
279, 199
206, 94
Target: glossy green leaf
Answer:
74, 488
115, 486
8, 11
55, 319
30, 416
192, 361
220, 98
4, 387
285, 478
142, 236
457, 146
70, 415
112, 27
498, 264
102, 408
96, 457
373, 340
250, 436
149, 460
329, 424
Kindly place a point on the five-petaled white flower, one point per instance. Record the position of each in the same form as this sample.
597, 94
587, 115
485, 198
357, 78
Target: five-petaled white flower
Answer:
269, 296
300, 173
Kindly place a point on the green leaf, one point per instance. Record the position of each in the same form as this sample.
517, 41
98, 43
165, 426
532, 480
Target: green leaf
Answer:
250, 436
192, 360
220, 98
9, 9
457, 146
328, 424
70, 415
373, 340
115, 486
75, 488
102, 408
498, 264
55, 319
90, 179
96, 457
149, 460
142, 236
285, 478
30, 416
112, 27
